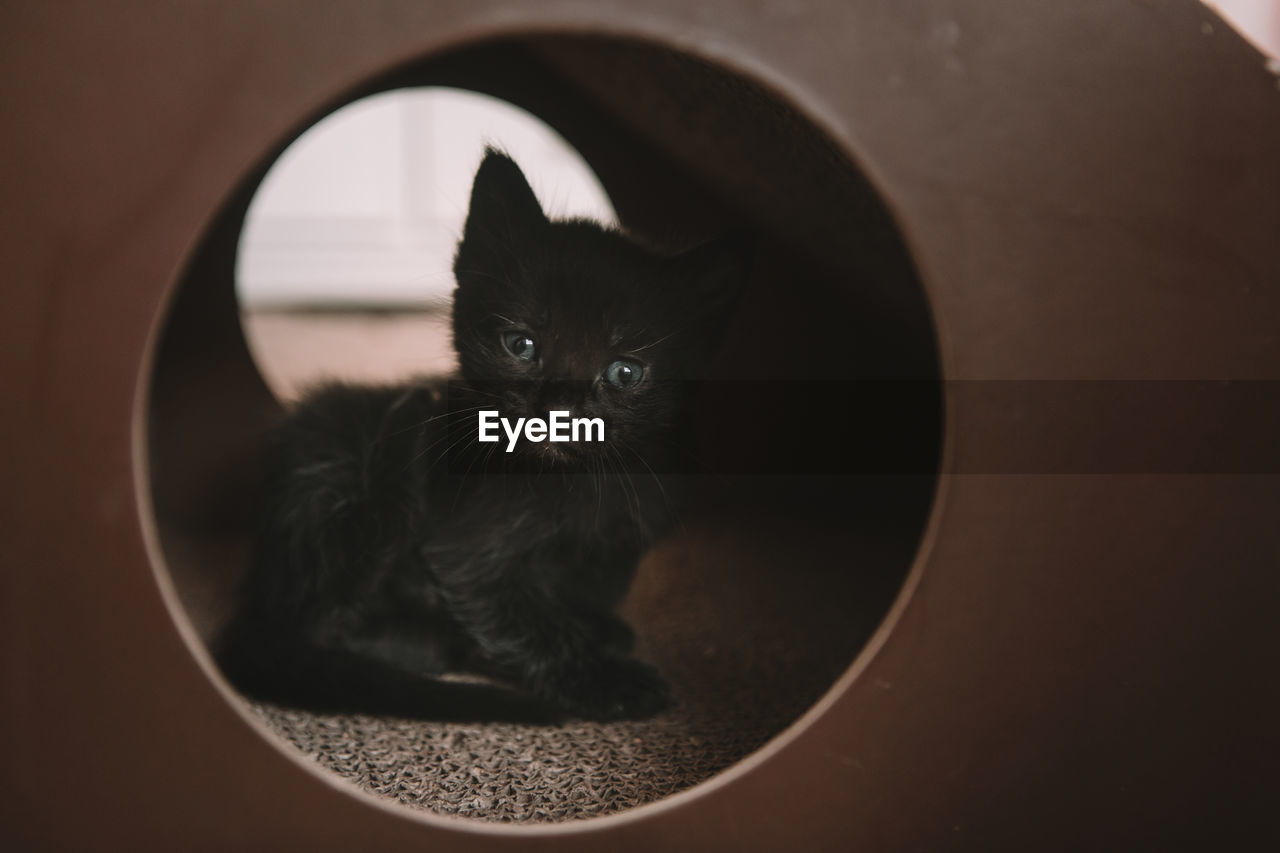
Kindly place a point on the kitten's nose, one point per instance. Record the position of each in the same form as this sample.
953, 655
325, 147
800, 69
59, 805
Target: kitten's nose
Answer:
559, 396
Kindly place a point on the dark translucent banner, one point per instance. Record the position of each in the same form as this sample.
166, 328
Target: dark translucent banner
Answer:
867, 427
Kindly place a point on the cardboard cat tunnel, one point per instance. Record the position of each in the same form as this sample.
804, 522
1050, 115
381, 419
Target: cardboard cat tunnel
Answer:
1053, 623
749, 647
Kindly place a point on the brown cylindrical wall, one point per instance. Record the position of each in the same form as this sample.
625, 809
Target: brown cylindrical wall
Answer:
1079, 660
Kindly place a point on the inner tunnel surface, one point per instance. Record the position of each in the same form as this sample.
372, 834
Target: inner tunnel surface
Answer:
783, 567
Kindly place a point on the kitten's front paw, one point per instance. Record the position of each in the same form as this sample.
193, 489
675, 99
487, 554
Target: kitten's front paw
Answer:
616, 689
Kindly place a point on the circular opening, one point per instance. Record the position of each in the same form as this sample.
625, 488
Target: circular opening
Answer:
817, 443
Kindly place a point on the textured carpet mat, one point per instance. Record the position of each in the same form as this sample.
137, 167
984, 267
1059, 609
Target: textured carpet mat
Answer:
751, 624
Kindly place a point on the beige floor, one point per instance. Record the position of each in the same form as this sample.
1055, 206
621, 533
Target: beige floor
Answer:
295, 349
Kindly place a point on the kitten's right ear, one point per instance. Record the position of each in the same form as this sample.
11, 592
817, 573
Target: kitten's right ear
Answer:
503, 205
718, 272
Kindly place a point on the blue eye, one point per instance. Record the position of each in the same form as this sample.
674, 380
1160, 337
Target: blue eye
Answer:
520, 344
624, 374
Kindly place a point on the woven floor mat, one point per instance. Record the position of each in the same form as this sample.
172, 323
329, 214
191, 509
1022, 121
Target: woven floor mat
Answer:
751, 624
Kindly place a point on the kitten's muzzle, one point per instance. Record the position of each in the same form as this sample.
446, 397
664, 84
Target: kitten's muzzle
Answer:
561, 395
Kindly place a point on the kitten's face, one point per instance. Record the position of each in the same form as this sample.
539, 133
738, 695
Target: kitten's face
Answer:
567, 316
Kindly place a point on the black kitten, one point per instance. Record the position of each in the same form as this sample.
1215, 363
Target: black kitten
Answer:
394, 545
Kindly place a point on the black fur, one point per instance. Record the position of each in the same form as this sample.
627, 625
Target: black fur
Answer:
394, 547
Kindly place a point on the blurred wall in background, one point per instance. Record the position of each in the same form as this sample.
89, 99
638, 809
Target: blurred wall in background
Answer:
364, 209
1256, 20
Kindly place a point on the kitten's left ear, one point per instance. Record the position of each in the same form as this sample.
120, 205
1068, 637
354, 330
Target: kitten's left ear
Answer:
502, 203
717, 273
